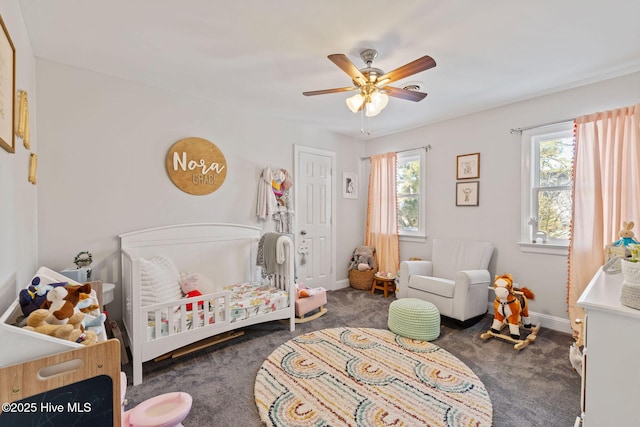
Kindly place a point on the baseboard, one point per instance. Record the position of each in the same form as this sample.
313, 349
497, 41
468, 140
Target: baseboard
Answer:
552, 322
547, 321
340, 284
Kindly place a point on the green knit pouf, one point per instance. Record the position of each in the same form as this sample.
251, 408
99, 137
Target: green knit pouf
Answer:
414, 318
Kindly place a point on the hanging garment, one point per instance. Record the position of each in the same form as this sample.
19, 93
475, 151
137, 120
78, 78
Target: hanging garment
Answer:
284, 220
266, 204
276, 181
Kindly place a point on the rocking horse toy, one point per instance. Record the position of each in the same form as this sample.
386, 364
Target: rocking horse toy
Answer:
511, 307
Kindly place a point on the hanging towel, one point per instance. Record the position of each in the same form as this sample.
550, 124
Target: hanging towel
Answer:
271, 255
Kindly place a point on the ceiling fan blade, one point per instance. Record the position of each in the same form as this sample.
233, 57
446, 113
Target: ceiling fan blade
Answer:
322, 92
409, 95
348, 67
407, 70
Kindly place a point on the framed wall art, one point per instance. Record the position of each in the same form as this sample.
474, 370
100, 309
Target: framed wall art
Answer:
467, 193
349, 185
7, 89
468, 166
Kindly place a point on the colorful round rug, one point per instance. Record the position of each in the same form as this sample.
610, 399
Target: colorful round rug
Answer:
368, 377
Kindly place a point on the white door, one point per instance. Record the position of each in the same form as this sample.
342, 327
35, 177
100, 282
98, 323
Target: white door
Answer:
315, 183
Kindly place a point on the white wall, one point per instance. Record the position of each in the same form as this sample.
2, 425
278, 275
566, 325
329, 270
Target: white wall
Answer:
104, 142
497, 218
18, 197
101, 143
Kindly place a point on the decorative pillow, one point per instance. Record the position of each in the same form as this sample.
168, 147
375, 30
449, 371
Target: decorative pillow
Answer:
159, 280
196, 281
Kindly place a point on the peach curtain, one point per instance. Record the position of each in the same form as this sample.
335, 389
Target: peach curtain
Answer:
382, 212
606, 193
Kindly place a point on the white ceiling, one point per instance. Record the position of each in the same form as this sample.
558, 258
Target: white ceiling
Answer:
261, 55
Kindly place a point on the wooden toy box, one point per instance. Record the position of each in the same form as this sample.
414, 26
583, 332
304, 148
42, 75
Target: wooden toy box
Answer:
23, 345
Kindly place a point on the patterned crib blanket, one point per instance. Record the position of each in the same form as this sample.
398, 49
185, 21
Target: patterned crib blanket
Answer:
253, 299
246, 300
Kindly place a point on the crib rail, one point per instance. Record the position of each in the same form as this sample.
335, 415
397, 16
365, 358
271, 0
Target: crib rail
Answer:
186, 314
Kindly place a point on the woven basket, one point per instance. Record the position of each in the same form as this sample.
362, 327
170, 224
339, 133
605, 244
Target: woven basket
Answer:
362, 280
630, 295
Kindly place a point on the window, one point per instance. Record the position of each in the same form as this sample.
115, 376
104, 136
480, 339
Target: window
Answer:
410, 188
547, 166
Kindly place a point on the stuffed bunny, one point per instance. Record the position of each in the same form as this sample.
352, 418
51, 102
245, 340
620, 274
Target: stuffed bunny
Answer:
626, 234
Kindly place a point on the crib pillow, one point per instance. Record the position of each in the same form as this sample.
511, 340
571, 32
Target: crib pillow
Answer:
159, 280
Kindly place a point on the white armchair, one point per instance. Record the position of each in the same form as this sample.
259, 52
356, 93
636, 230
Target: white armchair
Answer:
456, 280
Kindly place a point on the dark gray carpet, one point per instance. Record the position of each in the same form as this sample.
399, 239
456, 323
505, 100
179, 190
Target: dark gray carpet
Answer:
533, 387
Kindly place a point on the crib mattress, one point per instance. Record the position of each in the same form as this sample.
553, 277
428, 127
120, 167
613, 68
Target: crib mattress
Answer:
246, 300
253, 299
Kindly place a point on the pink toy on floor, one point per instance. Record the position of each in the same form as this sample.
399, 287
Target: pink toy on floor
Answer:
165, 410
308, 299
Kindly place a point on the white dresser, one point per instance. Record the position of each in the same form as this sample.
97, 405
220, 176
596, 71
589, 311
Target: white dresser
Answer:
611, 361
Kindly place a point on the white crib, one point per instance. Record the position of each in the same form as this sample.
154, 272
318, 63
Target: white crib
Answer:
226, 254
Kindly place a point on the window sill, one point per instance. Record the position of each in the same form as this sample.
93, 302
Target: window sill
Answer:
544, 248
414, 239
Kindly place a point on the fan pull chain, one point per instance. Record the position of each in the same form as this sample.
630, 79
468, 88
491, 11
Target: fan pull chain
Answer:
364, 131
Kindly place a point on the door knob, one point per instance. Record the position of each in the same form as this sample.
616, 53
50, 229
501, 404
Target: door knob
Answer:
303, 232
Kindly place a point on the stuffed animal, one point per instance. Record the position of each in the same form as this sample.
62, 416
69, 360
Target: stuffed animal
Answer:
87, 304
362, 259
71, 331
365, 263
189, 286
305, 292
35, 295
59, 309
626, 234
74, 293
510, 307
61, 302
93, 319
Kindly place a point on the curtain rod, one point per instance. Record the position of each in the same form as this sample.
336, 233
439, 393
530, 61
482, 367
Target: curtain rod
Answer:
426, 148
520, 130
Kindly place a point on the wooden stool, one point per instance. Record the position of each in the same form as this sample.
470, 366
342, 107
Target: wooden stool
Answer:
385, 284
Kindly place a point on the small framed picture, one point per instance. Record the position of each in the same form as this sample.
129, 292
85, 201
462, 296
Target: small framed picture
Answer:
7, 90
468, 166
467, 193
349, 185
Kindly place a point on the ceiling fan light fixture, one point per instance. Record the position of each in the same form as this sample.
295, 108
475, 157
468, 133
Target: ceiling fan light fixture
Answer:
355, 102
379, 99
371, 110
376, 103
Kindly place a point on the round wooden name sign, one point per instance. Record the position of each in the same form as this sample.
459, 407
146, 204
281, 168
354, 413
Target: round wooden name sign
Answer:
196, 166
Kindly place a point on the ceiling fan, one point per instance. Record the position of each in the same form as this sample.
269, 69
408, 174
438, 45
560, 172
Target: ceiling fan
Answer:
372, 83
